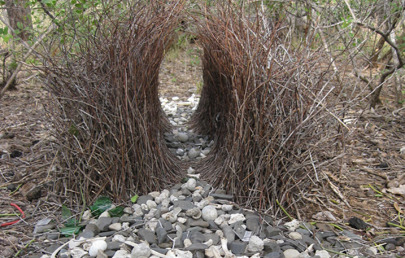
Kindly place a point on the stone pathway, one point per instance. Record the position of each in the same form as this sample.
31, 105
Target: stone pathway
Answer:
192, 219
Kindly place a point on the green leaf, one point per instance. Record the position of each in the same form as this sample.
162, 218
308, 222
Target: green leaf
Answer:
67, 217
100, 205
116, 212
134, 198
69, 231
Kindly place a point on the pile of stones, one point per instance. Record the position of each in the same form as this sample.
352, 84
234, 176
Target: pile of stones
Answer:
194, 220
182, 141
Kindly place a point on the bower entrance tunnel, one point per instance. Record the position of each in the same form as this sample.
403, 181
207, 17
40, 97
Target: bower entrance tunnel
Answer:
257, 113
180, 82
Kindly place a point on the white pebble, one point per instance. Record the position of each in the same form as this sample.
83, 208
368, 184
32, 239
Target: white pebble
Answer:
295, 235
152, 224
166, 203
141, 250
322, 254
165, 193
256, 244
191, 184
77, 252
292, 225
137, 210
105, 214
187, 242
209, 213
118, 238
151, 204
154, 194
291, 253
373, 250
86, 215
144, 207
190, 170
182, 220
96, 246
236, 217
227, 207
121, 254
128, 210
115, 226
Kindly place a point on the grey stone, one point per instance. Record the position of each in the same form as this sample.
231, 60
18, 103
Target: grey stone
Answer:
52, 235
113, 245
351, 235
272, 231
308, 240
198, 254
197, 223
228, 233
390, 247
130, 219
184, 205
160, 250
303, 231
271, 246
253, 224
278, 254
106, 233
52, 248
222, 196
197, 237
109, 253
287, 247
161, 234
237, 247
239, 231
197, 247
323, 235
213, 225
214, 237
87, 234
143, 199
165, 224
103, 223
299, 245
147, 235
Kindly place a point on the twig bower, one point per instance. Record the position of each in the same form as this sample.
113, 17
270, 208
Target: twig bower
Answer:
262, 101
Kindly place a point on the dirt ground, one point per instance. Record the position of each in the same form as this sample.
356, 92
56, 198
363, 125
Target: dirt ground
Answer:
373, 165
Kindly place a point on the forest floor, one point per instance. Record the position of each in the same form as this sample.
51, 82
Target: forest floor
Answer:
362, 185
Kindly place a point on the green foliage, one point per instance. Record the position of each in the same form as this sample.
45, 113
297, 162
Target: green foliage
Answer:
134, 198
100, 205
117, 211
71, 225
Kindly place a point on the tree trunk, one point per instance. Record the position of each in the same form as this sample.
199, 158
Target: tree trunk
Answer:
19, 16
